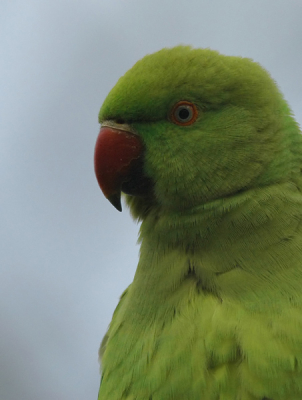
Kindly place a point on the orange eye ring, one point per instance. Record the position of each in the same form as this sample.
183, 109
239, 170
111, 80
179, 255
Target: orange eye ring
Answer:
184, 113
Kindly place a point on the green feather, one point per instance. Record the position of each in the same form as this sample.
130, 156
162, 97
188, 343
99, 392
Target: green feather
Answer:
215, 307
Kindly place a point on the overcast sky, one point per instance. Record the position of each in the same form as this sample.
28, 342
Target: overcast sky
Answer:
66, 253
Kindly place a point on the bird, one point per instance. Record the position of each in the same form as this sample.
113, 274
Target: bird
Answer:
207, 155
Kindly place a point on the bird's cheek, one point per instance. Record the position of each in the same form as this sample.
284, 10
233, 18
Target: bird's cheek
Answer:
118, 163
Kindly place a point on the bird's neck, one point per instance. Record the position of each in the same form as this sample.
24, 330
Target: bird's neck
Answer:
224, 221
229, 247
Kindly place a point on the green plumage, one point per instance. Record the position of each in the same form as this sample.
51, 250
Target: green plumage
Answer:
215, 308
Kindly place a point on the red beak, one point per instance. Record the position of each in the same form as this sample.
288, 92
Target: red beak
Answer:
116, 153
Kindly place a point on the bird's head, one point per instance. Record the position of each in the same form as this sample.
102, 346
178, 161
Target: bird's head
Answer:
187, 126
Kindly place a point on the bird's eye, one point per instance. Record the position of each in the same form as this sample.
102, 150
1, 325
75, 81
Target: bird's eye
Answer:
184, 113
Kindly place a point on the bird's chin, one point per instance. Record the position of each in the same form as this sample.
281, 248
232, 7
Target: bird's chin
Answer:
137, 184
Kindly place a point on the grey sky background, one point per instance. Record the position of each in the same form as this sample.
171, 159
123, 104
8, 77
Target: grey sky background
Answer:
66, 254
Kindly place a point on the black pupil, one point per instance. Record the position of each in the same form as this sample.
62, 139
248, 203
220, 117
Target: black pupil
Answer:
183, 113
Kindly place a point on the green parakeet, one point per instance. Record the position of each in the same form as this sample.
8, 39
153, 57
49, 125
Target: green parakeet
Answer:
209, 156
